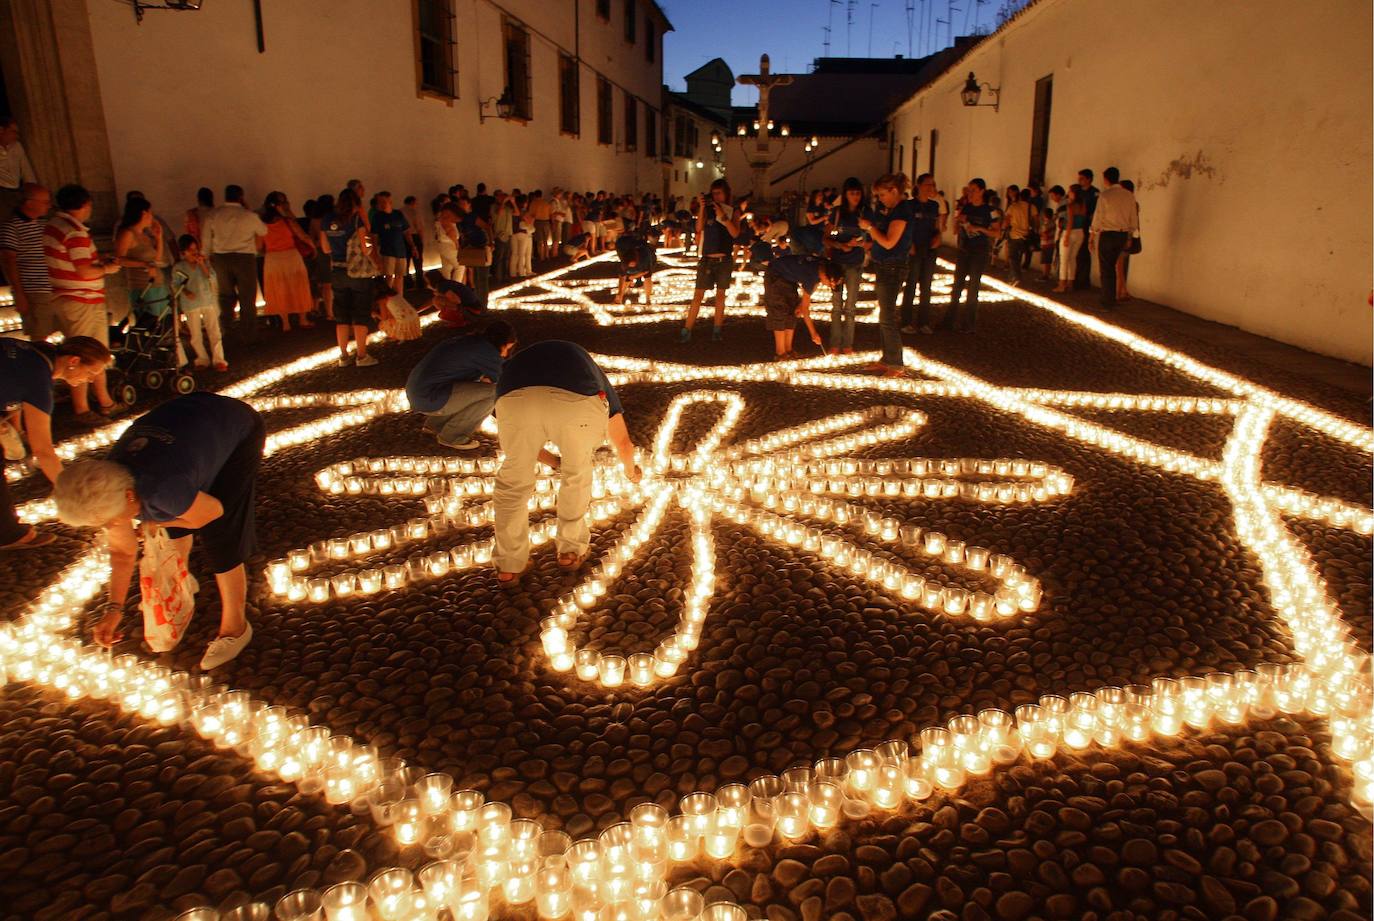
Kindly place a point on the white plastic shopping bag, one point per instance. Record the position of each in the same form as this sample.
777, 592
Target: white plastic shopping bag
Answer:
168, 591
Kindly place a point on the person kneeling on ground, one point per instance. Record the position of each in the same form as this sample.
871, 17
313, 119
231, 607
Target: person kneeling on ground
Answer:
787, 285
458, 305
637, 260
576, 247
190, 465
552, 391
454, 385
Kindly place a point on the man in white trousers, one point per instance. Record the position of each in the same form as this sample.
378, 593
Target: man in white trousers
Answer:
552, 391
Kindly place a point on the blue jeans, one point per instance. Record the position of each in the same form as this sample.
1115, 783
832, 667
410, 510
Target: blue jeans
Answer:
468, 404
842, 309
922, 272
968, 268
887, 281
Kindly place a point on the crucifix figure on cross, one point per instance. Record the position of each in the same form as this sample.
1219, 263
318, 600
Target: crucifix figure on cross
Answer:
761, 158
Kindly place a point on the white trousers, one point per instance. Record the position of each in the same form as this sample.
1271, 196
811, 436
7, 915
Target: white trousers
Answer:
203, 324
521, 254
1069, 246
526, 419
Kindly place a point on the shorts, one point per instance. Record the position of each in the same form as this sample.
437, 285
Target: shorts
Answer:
593, 229
780, 303
714, 272
40, 322
78, 318
231, 538
395, 265
319, 267
352, 298
644, 269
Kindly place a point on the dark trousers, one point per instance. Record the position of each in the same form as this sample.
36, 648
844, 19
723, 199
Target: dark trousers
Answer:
237, 275
11, 529
417, 261
968, 269
1111, 246
921, 271
480, 280
1018, 257
500, 260
887, 284
1083, 267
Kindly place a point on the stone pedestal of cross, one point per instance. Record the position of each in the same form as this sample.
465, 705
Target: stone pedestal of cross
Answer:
762, 156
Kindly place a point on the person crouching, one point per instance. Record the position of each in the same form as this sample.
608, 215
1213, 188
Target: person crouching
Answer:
454, 385
191, 466
788, 282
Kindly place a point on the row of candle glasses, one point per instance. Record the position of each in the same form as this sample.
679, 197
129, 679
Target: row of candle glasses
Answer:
664, 460
639, 669
1019, 592
776, 442
774, 479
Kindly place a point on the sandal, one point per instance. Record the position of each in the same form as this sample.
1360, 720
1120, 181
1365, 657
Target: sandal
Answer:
34, 539
510, 580
572, 560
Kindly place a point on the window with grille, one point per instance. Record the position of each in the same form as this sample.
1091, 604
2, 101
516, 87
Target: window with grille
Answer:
650, 41
605, 129
680, 136
631, 123
569, 109
434, 46
603, 9
517, 39
631, 11
693, 135
650, 132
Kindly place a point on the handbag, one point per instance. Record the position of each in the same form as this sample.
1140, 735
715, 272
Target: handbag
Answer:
1134, 246
474, 255
359, 257
167, 591
399, 320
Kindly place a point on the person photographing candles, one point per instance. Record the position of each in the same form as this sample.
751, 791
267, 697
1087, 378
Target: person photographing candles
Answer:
27, 372
637, 260
190, 465
552, 391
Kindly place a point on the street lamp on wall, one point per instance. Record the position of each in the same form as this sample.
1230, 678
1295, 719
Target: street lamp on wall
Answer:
973, 90
504, 106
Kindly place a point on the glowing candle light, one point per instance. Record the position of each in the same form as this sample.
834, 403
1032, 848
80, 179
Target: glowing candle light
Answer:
346, 902
792, 813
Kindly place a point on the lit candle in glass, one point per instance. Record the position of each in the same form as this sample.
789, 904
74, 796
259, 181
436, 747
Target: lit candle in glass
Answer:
390, 892
1167, 706
826, 798
721, 836
699, 808
611, 671
649, 821
433, 791
346, 902
1082, 720
553, 892
792, 812
681, 837
863, 766
465, 806
682, 904
410, 822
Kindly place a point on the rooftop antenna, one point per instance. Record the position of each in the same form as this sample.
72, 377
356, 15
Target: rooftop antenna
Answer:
950, 31
938, 23
871, 8
978, 13
829, 23
910, 23
849, 7
826, 44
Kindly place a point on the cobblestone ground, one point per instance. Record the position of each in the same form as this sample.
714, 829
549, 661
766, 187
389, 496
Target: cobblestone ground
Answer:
103, 815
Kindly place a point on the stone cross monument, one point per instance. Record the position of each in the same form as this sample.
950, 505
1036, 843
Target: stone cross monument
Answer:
762, 156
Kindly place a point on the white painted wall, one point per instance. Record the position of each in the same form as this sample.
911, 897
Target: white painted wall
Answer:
1246, 128
189, 101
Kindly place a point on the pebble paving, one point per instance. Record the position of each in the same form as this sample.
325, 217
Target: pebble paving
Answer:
105, 816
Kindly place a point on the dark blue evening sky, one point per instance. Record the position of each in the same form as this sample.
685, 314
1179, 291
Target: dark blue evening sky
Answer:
792, 32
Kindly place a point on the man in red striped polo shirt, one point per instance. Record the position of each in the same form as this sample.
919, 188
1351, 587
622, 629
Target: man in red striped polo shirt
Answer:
78, 275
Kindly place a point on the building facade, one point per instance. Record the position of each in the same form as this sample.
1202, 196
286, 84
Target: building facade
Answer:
408, 95
691, 161
1246, 129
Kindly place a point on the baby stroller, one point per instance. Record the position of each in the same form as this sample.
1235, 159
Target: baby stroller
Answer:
150, 355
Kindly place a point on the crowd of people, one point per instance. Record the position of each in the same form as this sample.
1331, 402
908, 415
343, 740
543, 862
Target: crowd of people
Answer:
190, 465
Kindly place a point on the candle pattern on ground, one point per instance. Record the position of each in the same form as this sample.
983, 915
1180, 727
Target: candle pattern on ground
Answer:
1332, 682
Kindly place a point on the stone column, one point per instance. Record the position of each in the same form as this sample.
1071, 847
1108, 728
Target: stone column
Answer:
54, 89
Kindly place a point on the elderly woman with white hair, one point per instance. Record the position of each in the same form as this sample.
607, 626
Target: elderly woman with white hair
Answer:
190, 465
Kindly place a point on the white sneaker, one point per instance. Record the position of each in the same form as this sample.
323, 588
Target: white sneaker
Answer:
345, 362
469, 445
12, 443
366, 361
224, 648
